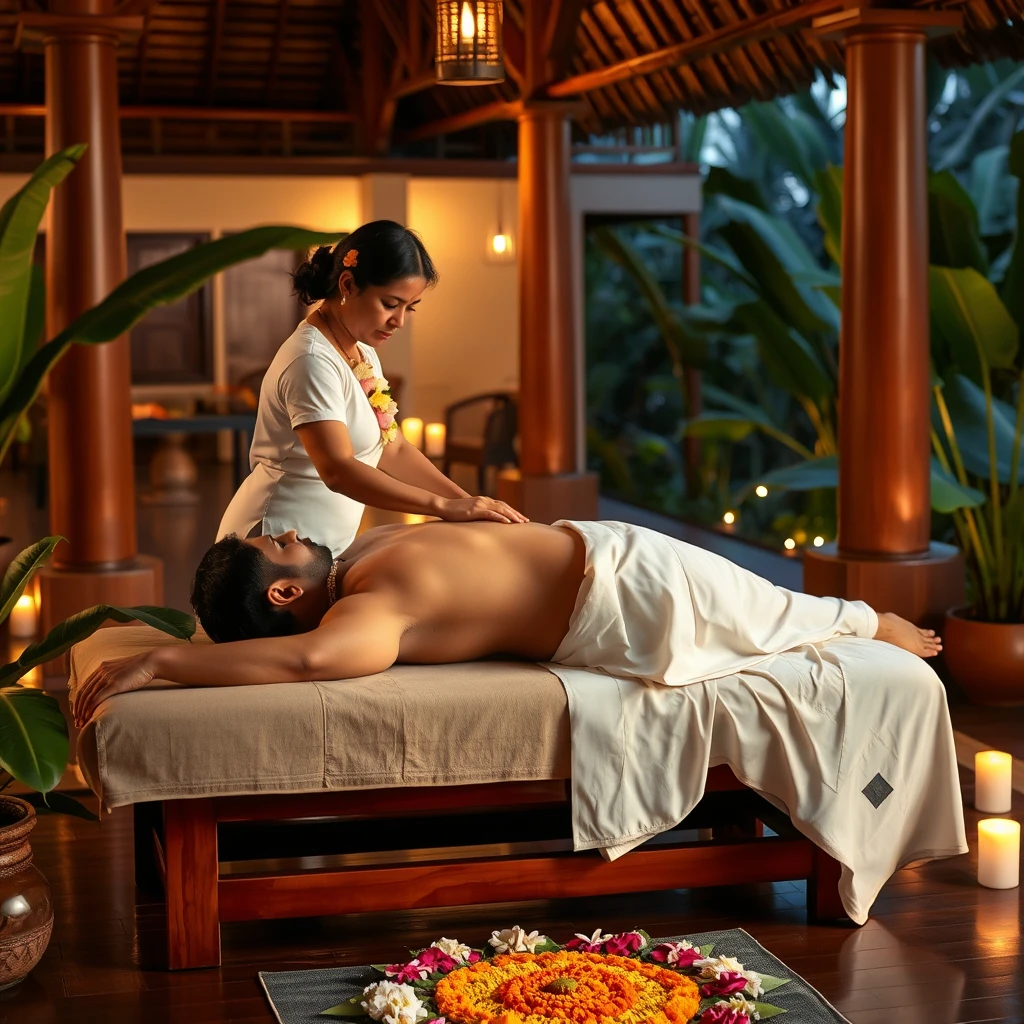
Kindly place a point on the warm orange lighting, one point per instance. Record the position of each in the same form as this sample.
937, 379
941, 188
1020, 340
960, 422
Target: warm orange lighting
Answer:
469, 42
467, 25
999, 853
434, 440
993, 781
499, 243
412, 431
729, 518
761, 491
789, 544
23, 618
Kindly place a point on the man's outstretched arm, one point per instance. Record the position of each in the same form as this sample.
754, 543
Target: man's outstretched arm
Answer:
360, 637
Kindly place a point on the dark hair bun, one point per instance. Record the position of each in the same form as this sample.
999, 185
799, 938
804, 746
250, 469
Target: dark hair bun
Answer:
312, 279
378, 253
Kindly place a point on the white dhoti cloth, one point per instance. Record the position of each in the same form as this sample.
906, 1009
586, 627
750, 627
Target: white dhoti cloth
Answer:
851, 738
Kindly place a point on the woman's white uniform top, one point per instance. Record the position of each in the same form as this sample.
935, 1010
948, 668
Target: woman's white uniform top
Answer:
308, 382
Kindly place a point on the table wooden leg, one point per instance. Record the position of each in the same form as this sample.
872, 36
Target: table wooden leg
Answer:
193, 910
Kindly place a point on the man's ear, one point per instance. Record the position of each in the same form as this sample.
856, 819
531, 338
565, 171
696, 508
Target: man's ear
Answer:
282, 593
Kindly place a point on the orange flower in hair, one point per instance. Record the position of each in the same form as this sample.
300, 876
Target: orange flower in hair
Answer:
351, 258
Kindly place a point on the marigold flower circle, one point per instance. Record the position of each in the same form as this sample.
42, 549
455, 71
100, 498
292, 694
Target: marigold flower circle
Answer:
566, 988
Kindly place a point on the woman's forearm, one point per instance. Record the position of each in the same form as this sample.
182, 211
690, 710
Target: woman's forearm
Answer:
407, 463
277, 660
378, 489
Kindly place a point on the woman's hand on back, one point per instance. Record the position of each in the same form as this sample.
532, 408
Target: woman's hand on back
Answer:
464, 510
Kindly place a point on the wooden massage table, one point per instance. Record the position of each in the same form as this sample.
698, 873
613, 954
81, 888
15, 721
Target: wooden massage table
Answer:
416, 758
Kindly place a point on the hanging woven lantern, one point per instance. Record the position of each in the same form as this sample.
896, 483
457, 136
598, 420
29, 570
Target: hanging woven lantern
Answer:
469, 42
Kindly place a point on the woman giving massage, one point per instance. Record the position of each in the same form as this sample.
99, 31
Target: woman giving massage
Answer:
607, 596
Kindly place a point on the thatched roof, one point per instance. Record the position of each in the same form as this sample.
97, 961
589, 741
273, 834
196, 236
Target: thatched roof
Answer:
353, 76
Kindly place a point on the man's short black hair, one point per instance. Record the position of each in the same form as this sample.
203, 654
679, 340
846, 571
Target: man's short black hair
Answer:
229, 593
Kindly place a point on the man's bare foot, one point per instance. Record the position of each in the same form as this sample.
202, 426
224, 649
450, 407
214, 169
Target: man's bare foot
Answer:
894, 630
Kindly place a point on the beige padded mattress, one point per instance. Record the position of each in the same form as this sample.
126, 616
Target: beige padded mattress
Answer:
491, 721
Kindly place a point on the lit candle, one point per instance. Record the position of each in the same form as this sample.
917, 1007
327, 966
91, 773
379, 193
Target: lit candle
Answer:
992, 781
23, 617
412, 430
999, 853
435, 440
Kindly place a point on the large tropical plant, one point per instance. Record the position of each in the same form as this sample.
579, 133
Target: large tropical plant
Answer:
33, 732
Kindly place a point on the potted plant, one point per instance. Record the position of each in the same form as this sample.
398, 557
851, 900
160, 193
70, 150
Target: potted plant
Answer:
978, 427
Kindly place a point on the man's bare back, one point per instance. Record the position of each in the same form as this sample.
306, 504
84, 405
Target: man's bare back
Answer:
469, 590
431, 593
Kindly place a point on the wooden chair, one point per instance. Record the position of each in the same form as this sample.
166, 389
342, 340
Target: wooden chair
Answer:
481, 431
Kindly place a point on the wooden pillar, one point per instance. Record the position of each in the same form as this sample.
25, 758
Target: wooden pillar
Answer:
92, 487
883, 554
692, 376
550, 484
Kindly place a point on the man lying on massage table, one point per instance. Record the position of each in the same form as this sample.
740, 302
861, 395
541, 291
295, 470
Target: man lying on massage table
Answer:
608, 596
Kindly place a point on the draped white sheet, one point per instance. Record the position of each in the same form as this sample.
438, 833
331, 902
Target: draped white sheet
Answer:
850, 736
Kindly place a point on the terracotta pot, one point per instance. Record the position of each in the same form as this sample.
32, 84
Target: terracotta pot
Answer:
985, 658
26, 903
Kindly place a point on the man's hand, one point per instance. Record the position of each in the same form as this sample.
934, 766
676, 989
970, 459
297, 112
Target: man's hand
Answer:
118, 675
463, 510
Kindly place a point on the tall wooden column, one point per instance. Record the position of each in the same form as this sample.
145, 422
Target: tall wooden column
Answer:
550, 484
92, 487
883, 554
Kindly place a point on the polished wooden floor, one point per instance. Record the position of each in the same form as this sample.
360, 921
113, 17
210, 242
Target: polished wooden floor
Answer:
938, 950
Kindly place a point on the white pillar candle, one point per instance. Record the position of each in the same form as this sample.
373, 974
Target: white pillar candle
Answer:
999, 853
435, 440
993, 771
412, 430
22, 619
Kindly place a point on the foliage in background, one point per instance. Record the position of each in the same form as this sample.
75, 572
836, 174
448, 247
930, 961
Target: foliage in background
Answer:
771, 296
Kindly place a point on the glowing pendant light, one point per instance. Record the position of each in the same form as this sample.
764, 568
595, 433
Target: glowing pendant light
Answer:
469, 42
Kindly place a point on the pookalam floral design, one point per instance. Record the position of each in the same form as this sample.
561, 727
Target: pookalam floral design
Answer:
523, 977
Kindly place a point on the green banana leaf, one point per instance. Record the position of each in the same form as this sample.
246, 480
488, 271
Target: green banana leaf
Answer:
988, 185
790, 361
968, 314
21, 570
995, 96
722, 257
954, 239
966, 404
33, 737
35, 315
772, 253
83, 624
723, 182
829, 185
1013, 279
19, 226
684, 348
157, 285
823, 474
790, 135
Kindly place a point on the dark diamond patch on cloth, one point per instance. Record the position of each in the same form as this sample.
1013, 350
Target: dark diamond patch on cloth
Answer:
877, 790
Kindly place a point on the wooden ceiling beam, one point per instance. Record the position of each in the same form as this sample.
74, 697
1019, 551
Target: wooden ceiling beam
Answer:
275, 54
180, 113
560, 34
515, 50
500, 110
719, 41
217, 15
394, 29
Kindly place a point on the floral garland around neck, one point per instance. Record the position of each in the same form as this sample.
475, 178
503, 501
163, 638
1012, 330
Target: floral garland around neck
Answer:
378, 391
526, 978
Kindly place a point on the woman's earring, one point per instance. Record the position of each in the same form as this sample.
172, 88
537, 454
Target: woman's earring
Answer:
343, 300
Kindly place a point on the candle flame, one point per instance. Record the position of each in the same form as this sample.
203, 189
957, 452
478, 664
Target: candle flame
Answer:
468, 23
